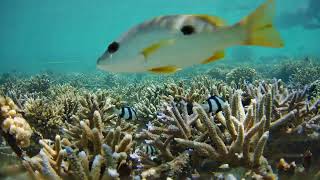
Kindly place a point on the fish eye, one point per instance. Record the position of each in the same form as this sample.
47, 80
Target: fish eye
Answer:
113, 47
187, 30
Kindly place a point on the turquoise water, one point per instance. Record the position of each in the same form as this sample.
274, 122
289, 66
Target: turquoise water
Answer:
38, 35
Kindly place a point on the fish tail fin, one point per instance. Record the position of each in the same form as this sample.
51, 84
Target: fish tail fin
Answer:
259, 28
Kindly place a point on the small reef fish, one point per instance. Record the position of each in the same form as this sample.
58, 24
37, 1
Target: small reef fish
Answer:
167, 44
214, 104
149, 150
127, 113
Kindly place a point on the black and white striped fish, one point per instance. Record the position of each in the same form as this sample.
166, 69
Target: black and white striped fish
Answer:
127, 113
214, 104
149, 149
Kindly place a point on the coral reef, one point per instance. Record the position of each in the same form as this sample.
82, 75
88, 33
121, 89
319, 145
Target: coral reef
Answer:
260, 129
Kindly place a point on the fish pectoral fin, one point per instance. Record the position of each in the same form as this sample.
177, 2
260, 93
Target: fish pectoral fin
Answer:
165, 69
217, 55
146, 52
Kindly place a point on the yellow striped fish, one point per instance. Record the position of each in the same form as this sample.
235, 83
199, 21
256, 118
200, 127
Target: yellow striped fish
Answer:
167, 44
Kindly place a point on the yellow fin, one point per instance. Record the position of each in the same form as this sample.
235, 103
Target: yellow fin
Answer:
154, 47
217, 55
215, 21
165, 69
259, 27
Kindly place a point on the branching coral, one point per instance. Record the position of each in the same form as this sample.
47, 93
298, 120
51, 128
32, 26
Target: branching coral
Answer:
99, 101
67, 98
237, 136
232, 144
198, 89
22, 88
103, 154
148, 101
173, 168
44, 115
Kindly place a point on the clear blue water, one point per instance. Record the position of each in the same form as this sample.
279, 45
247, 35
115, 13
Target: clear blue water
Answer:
62, 35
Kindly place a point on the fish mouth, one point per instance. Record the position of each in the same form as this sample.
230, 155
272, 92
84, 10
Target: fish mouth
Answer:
100, 64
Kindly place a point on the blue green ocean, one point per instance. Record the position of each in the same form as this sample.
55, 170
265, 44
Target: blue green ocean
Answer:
253, 114
70, 36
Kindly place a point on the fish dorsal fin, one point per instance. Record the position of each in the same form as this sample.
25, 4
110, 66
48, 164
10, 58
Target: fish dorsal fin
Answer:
165, 69
214, 20
217, 55
146, 52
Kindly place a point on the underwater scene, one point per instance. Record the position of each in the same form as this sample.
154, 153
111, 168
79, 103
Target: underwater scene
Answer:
179, 89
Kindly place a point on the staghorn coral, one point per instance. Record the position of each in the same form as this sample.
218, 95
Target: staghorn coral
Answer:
67, 97
38, 83
102, 155
287, 109
239, 136
174, 168
99, 101
198, 89
22, 88
202, 134
148, 101
44, 115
